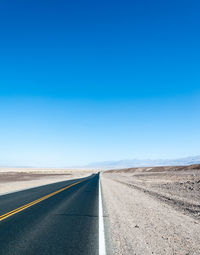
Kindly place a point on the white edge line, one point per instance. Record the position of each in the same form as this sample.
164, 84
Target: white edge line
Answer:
102, 246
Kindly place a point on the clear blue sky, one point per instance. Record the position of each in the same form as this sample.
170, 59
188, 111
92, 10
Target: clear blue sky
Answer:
84, 81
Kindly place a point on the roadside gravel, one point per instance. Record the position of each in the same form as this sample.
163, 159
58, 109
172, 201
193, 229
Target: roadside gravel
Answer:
142, 225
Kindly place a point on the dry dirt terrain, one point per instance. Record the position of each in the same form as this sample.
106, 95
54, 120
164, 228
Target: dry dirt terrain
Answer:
15, 179
153, 210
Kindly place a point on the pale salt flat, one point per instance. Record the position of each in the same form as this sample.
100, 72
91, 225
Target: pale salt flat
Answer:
36, 177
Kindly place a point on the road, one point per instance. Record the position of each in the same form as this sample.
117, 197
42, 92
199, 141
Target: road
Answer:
63, 223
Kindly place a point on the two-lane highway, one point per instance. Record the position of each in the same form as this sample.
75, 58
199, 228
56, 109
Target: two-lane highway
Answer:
60, 218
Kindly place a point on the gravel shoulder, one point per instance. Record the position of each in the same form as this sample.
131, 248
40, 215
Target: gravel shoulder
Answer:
143, 223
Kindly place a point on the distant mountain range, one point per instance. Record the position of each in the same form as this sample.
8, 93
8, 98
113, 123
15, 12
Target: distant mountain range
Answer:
144, 163
118, 164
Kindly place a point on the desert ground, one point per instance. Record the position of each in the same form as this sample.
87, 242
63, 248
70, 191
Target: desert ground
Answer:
15, 179
153, 210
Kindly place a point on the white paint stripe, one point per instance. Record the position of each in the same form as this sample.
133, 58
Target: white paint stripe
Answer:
102, 246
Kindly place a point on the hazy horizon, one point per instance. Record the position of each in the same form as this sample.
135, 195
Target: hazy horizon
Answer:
134, 162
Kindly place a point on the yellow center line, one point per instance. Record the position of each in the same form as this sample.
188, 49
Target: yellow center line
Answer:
23, 207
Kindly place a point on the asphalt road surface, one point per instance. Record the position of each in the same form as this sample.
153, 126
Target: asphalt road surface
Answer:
64, 223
